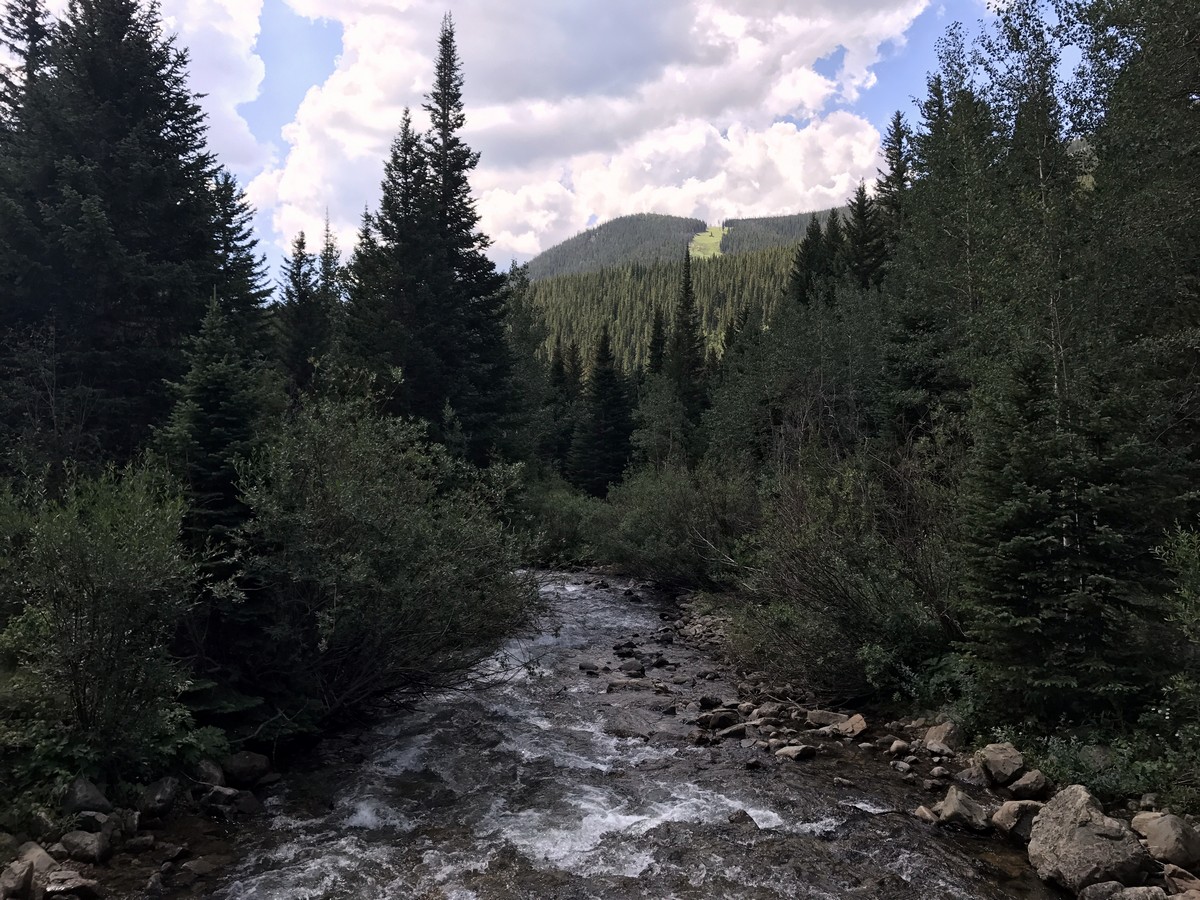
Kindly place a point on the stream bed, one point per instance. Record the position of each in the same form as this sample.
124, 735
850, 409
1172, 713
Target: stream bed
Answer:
569, 782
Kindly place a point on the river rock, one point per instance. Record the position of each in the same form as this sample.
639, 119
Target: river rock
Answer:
17, 880
94, 822
960, 811
926, 815
69, 883
633, 668
898, 747
803, 751
944, 739
1031, 786
86, 846
1179, 880
1074, 844
244, 769
723, 718
1014, 819
158, 799
852, 727
1169, 838
208, 772
83, 796
733, 731
820, 718
973, 775
630, 723
37, 857
1002, 762
140, 844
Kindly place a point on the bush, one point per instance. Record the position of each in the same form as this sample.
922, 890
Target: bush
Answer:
101, 584
679, 527
559, 522
379, 564
842, 593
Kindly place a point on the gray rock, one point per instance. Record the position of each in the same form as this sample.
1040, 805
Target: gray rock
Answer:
68, 883
1075, 845
723, 718
898, 747
158, 799
17, 880
960, 811
86, 846
901, 766
631, 667
630, 723
820, 718
1031, 786
973, 775
803, 751
220, 796
1169, 838
248, 805
245, 769
1180, 881
83, 796
8, 848
852, 727
944, 739
1104, 891
94, 822
926, 815
1014, 819
140, 844
37, 857
1002, 762
59, 852
209, 772
733, 731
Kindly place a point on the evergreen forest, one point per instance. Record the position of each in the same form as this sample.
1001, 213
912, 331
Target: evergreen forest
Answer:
937, 449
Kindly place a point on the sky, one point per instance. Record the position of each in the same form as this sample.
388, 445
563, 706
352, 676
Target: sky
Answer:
582, 110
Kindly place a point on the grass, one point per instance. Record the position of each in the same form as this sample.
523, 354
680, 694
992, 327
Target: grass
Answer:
707, 244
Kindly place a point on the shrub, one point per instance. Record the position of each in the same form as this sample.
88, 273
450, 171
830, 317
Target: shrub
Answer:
558, 520
102, 584
679, 527
377, 562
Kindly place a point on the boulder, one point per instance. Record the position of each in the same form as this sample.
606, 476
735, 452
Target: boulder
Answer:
208, 772
944, 739
724, 718
83, 796
1074, 844
1169, 838
1104, 891
960, 811
1002, 762
8, 848
1180, 881
248, 805
803, 751
158, 799
973, 775
1014, 819
1031, 786
86, 846
68, 883
245, 769
94, 822
926, 815
852, 727
898, 748
631, 667
17, 880
820, 718
140, 844
37, 857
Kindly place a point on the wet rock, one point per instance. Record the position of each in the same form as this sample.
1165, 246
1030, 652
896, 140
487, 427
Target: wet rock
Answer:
17, 880
1169, 838
741, 817
944, 739
901, 766
1074, 844
733, 731
244, 769
140, 844
960, 811
633, 668
629, 723
37, 857
820, 718
1002, 762
219, 797
8, 848
208, 772
248, 805
803, 751
724, 718
155, 886
1014, 819
67, 883
200, 867
1031, 786
273, 778
158, 799
1180, 880
83, 796
86, 846
706, 702
589, 667
927, 815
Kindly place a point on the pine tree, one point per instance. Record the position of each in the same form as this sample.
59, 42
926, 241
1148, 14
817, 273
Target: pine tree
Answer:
684, 361
25, 35
110, 228
865, 250
656, 351
833, 254
304, 324
893, 184
600, 448
241, 278
809, 263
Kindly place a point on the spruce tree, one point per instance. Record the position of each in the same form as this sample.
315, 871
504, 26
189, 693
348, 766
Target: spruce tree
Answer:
833, 254
25, 35
808, 264
684, 361
304, 325
241, 278
600, 448
657, 348
865, 250
894, 182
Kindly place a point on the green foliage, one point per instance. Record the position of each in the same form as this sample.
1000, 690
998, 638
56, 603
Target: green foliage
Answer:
600, 447
381, 564
103, 582
562, 523
679, 527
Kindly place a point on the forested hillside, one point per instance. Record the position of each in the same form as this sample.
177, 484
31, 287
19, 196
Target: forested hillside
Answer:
641, 238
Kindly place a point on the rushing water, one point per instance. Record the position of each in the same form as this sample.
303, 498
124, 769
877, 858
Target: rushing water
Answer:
526, 791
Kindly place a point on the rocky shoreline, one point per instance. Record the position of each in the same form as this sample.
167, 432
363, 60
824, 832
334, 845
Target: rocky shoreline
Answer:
182, 833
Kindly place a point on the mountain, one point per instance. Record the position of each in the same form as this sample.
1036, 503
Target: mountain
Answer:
641, 238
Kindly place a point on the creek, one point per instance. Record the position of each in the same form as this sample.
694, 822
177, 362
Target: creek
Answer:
567, 783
